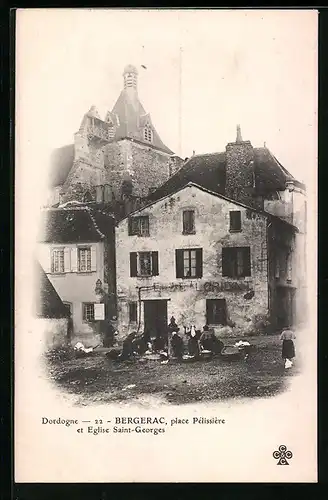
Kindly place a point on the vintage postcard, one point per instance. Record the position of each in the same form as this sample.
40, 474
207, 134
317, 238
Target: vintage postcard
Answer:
165, 245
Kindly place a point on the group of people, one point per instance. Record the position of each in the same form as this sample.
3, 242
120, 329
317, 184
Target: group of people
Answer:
172, 343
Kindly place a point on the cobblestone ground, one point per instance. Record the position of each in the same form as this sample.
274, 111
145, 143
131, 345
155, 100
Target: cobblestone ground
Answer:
96, 379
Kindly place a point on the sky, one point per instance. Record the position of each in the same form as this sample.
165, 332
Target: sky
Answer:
207, 71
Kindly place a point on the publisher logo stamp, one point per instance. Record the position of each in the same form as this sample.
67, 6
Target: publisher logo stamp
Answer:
282, 454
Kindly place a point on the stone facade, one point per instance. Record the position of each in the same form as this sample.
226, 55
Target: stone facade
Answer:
247, 298
123, 147
73, 287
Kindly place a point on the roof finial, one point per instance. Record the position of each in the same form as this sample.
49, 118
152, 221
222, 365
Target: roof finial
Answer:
239, 137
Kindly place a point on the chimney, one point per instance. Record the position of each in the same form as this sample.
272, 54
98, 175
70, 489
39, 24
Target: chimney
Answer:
239, 138
240, 175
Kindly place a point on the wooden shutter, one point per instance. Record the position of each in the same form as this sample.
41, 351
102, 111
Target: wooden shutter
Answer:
67, 260
133, 264
247, 261
185, 221
209, 312
154, 264
179, 263
235, 220
199, 262
188, 218
74, 259
229, 262
130, 231
240, 262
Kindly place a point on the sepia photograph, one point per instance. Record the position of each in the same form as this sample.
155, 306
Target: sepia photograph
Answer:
166, 239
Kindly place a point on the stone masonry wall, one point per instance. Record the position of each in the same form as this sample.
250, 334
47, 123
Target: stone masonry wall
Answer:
240, 172
188, 304
114, 163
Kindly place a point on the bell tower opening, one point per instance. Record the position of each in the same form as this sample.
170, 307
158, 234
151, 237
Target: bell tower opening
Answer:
130, 76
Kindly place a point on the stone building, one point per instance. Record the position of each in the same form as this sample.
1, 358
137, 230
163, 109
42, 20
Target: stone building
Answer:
50, 312
254, 177
205, 259
119, 155
76, 250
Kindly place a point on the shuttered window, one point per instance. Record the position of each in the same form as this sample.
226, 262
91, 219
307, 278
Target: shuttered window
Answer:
236, 262
84, 259
235, 220
216, 312
88, 311
188, 221
139, 226
133, 312
144, 264
189, 263
57, 260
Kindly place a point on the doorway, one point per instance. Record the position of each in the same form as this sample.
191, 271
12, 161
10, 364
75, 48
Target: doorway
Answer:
155, 318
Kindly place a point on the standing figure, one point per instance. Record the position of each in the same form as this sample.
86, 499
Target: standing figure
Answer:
172, 326
193, 343
108, 333
288, 349
176, 345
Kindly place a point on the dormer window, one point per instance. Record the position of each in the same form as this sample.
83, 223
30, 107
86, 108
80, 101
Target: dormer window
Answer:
148, 133
110, 130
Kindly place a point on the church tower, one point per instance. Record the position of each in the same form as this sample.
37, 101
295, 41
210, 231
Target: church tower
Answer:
123, 151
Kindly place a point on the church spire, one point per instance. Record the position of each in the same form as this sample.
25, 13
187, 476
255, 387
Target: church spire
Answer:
130, 76
239, 137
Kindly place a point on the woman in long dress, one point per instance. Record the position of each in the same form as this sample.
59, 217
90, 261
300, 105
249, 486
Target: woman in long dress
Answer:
288, 349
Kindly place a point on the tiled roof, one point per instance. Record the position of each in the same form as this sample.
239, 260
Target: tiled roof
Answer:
74, 225
132, 117
48, 303
206, 170
209, 171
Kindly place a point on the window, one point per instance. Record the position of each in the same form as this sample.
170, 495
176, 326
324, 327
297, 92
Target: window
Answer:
88, 312
139, 226
235, 220
57, 261
188, 217
148, 134
236, 262
143, 264
87, 197
189, 263
216, 312
68, 306
84, 260
133, 312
